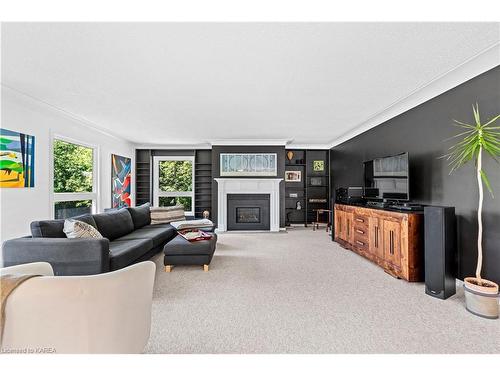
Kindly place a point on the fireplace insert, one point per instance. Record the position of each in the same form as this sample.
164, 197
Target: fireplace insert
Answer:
248, 212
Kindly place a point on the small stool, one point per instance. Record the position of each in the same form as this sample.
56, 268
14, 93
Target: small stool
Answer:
180, 251
316, 223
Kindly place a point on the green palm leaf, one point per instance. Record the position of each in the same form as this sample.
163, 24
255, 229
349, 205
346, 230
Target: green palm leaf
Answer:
473, 140
486, 181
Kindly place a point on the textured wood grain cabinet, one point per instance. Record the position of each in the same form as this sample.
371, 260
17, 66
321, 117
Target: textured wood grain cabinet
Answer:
391, 239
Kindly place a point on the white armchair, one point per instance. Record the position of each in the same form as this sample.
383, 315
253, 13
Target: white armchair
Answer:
105, 313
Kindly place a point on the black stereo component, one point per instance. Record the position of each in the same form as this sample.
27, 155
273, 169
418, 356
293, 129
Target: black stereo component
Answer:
340, 194
440, 244
355, 192
371, 192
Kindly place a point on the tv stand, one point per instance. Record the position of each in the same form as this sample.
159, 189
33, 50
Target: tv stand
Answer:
391, 239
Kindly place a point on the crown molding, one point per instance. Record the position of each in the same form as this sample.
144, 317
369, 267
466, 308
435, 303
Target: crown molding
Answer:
474, 66
178, 146
308, 146
72, 116
249, 142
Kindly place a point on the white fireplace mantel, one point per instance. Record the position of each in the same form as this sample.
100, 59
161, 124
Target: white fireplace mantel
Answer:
269, 186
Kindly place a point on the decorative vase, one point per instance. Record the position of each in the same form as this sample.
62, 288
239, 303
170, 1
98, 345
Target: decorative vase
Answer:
481, 300
289, 155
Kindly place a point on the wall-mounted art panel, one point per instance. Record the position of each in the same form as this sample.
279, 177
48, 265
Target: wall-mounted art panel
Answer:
120, 181
17, 159
238, 164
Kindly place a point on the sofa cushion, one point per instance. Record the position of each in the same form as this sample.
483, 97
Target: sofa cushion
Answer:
114, 224
158, 234
124, 253
54, 228
141, 215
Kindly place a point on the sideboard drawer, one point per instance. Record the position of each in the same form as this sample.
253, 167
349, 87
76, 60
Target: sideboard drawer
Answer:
361, 242
360, 220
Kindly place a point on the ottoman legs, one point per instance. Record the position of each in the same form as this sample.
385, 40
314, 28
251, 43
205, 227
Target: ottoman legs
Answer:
170, 267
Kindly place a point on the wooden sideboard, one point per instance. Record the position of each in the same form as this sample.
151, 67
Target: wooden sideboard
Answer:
391, 239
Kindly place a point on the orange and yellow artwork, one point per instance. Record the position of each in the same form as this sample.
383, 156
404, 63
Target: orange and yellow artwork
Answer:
17, 159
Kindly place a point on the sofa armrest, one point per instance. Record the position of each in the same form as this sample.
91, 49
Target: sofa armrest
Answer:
78, 256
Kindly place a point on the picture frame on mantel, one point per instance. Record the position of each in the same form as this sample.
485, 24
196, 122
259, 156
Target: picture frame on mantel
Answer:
248, 164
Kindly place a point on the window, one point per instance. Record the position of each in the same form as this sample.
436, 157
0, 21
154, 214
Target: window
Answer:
74, 175
173, 180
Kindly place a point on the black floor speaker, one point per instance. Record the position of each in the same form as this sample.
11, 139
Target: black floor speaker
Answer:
440, 245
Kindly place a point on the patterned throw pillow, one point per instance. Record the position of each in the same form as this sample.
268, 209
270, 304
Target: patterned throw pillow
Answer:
163, 215
78, 229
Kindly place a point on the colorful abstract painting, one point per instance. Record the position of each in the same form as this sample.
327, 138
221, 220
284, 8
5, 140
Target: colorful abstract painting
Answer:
120, 181
17, 159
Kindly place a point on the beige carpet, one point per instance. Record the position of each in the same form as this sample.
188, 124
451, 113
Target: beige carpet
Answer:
298, 292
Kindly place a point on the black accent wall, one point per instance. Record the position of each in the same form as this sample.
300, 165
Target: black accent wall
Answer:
279, 150
421, 131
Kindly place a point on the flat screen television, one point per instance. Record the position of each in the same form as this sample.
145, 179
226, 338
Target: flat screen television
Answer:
388, 178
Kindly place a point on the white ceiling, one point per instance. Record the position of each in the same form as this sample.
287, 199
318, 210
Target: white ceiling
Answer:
189, 83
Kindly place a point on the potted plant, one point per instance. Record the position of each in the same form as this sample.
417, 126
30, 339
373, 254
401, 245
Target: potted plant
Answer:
480, 294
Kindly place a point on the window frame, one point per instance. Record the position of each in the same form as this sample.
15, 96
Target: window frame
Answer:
157, 193
93, 196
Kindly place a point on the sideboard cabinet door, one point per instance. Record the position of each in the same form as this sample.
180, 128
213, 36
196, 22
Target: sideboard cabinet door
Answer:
392, 243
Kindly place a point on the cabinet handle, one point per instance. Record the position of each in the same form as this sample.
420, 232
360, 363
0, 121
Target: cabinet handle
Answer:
360, 220
391, 242
348, 227
376, 236
360, 231
360, 243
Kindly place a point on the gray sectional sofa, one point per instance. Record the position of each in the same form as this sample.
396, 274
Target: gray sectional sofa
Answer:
129, 238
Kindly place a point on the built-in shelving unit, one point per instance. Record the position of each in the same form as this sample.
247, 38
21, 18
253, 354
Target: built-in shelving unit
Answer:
143, 162
295, 192
317, 183
203, 182
312, 192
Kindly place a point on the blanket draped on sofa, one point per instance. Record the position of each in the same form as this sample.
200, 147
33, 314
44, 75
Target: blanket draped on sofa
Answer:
8, 283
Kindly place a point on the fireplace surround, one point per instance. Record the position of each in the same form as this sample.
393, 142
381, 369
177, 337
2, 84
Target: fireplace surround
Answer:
249, 186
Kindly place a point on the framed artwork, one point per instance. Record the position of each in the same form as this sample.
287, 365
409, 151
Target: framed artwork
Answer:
318, 165
121, 167
17, 159
293, 176
237, 165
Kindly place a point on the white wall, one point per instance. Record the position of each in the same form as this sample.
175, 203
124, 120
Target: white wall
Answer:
20, 206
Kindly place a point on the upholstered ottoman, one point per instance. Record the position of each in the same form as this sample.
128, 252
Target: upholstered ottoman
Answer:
180, 251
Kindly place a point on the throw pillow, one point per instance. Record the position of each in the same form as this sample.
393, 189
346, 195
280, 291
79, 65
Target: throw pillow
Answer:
78, 229
163, 215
